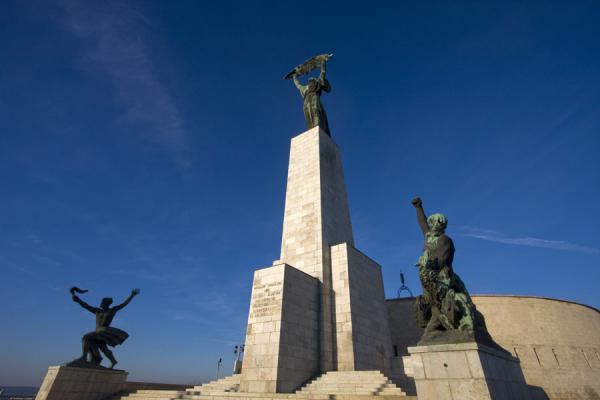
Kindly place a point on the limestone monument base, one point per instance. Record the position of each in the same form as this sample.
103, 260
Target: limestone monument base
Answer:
465, 371
281, 351
72, 383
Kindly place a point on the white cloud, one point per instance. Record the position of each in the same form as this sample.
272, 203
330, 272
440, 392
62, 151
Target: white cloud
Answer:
494, 236
117, 44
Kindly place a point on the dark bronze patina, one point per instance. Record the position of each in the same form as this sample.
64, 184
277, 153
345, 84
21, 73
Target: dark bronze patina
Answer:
105, 335
445, 309
314, 113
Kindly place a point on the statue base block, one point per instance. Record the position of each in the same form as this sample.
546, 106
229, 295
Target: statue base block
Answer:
465, 371
72, 383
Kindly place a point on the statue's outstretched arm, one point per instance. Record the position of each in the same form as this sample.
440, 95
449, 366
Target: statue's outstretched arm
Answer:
421, 218
323, 70
300, 86
85, 305
134, 293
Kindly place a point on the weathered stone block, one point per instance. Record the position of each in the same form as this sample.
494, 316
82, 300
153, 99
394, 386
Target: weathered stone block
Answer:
360, 311
465, 371
73, 383
274, 348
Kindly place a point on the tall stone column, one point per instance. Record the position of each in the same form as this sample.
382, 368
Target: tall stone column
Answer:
316, 217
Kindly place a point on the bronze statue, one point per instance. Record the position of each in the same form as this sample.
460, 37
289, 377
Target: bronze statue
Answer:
105, 335
314, 113
445, 308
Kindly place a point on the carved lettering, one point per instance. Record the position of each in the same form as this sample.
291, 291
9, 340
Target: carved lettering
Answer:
266, 301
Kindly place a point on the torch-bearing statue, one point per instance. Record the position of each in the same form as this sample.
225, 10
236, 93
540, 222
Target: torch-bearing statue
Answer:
445, 309
105, 335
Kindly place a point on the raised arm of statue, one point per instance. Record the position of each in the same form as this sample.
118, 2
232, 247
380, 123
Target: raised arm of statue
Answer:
85, 305
325, 85
134, 293
421, 218
300, 86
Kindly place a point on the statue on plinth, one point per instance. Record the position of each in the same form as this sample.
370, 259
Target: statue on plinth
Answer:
445, 309
314, 113
105, 335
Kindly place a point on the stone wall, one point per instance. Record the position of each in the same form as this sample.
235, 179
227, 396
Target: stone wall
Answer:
557, 342
282, 337
299, 344
363, 340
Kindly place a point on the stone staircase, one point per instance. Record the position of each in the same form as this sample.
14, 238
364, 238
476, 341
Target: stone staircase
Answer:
148, 394
219, 387
346, 384
230, 384
334, 385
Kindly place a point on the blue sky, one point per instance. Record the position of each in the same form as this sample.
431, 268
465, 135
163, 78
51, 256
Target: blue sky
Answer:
145, 144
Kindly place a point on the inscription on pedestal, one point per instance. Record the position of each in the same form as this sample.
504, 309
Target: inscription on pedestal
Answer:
267, 300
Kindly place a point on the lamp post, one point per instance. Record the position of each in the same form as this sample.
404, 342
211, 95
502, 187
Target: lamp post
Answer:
219, 367
237, 364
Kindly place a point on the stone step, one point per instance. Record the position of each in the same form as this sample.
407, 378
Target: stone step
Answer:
381, 381
282, 396
227, 384
157, 391
149, 395
335, 385
348, 382
352, 383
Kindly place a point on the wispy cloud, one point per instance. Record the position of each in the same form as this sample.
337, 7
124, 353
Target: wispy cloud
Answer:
117, 38
494, 236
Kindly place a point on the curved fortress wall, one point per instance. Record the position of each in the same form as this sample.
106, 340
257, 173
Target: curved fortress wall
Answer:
557, 342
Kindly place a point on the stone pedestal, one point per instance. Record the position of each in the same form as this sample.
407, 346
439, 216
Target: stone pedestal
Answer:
465, 371
71, 383
282, 339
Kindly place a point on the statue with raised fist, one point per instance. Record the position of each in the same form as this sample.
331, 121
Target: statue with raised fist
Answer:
445, 308
105, 335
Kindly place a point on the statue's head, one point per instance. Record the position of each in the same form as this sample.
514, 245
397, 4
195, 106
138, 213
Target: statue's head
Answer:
106, 302
437, 223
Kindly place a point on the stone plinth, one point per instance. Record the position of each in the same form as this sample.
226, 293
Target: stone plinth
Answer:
71, 383
363, 339
465, 371
282, 338
316, 217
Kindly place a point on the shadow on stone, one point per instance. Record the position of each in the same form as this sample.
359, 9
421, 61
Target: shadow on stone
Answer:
537, 393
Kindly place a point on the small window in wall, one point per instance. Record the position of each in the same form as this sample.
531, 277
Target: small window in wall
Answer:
395, 351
